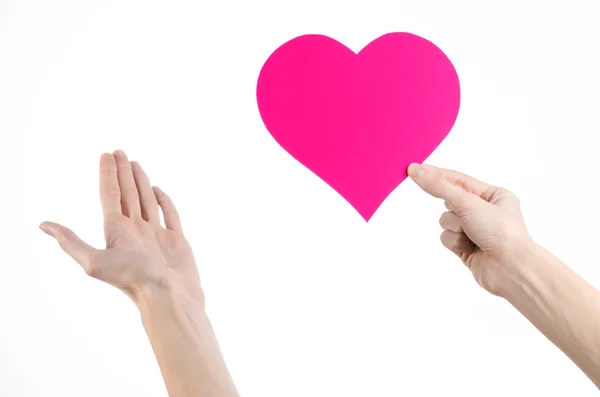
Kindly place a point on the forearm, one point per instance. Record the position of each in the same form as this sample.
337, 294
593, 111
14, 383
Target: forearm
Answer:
558, 302
184, 343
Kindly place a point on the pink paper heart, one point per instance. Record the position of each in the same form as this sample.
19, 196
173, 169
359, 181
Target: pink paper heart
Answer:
358, 120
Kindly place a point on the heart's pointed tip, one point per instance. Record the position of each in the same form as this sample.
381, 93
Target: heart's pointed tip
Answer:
367, 210
366, 216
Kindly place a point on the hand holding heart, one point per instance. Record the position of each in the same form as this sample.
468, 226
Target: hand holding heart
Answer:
483, 225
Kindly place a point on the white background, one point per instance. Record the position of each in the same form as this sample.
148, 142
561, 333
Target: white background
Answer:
306, 298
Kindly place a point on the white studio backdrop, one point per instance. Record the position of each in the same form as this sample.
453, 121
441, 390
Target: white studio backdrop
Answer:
306, 298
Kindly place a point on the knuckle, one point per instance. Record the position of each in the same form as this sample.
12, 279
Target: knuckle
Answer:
445, 238
131, 196
437, 183
108, 170
63, 243
113, 191
91, 270
443, 219
92, 266
464, 210
507, 194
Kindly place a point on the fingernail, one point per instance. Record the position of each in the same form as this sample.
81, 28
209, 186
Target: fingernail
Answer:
416, 170
45, 229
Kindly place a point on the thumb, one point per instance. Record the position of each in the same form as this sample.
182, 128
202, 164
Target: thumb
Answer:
437, 184
69, 242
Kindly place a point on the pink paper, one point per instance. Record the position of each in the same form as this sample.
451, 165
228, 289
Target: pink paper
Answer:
358, 120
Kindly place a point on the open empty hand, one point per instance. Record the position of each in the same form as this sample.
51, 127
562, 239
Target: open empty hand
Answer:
139, 252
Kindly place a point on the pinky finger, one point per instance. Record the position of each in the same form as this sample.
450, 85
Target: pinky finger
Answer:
170, 214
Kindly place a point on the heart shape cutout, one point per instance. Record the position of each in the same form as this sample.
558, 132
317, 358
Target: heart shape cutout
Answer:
357, 120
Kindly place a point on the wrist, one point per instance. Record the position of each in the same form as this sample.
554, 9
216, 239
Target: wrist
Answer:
181, 334
171, 291
530, 269
520, 266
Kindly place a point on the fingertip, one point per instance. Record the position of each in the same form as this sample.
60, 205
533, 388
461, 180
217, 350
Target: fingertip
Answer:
107, 161
448, 205
44, 228
121, 157
415, 170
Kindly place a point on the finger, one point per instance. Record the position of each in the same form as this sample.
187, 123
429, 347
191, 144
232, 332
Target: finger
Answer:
458, 253
457, 242
149, 205
435, 183
450, 221
110, 194
467, 182
70, 243
170, 214
448, 206
130, 197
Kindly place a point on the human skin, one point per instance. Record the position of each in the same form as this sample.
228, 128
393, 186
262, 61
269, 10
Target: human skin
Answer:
155, 267
484, 227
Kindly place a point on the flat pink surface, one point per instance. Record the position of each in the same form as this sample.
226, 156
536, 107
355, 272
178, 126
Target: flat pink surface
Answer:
358, 120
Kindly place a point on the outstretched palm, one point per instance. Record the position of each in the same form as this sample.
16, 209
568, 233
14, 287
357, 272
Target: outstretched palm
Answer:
139, 250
